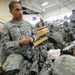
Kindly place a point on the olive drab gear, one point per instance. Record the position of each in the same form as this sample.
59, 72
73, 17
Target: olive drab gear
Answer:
64, 65
47, 67
57, 39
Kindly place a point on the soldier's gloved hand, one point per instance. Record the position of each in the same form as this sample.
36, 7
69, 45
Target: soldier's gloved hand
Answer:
24, 41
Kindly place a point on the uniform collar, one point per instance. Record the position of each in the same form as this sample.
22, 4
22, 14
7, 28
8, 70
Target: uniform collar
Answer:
17, 23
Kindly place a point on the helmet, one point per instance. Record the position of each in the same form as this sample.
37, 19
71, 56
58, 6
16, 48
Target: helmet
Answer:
64, 65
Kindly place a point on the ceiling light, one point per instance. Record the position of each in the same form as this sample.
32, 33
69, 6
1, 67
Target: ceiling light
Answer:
44, 4
17, 0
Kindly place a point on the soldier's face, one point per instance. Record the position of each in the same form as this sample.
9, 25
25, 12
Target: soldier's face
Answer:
17, 11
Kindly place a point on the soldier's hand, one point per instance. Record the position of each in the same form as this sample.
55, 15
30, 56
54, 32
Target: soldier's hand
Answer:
31, 39
1, 31
24, 41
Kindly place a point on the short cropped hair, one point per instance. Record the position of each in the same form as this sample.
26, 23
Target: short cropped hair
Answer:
11, 5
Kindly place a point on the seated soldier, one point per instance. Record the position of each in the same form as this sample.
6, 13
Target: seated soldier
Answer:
17, 40
39, 24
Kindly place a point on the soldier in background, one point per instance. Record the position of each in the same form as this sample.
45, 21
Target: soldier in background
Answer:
72, 18
46, 24
39, 24
72, 24
17, 43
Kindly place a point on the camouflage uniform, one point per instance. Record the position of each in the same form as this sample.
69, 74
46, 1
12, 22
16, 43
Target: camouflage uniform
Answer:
72, 20
15, 53
39, 24
64, 65
47, 67
1, 54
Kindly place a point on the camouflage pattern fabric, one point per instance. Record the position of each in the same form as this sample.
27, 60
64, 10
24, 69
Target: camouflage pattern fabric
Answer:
2, 57
64, 65
39, 24
13, 62
53, 27
72, 22
27, 67
72, 17
59, 38
13, 32
24, 68
47, 67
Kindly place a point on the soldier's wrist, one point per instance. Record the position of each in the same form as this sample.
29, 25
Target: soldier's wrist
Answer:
34, 38
19, 43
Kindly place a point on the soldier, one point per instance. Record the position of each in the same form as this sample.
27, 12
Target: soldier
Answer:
72, 18
17, 42
72, 25
39, 24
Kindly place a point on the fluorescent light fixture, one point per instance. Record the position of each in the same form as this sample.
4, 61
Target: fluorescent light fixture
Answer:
17, 0
44, 4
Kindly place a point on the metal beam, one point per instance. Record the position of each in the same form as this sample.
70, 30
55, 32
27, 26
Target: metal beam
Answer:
32, 6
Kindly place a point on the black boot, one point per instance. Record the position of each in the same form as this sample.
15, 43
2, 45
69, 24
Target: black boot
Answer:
1, 71
33, 73
11, 72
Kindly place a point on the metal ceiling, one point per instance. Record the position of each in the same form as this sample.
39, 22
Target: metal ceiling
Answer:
35, 5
